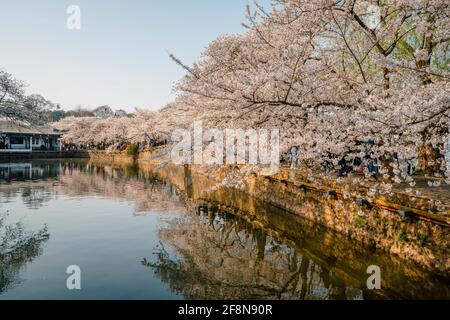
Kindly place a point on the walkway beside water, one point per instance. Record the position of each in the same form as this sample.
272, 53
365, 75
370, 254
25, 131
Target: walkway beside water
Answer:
432, 201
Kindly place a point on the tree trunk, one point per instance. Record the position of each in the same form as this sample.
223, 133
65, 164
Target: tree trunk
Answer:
430, 160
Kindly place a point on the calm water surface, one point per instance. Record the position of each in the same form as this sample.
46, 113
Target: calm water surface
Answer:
136, 236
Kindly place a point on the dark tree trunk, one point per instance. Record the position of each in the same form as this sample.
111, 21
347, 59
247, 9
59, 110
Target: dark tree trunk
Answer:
431, 159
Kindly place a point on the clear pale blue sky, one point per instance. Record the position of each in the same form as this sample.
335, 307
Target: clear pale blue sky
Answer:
119, 57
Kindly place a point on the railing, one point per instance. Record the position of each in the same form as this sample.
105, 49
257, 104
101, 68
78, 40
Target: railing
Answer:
28, 150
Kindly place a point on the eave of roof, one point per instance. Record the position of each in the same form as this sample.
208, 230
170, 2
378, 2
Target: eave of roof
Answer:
7, 127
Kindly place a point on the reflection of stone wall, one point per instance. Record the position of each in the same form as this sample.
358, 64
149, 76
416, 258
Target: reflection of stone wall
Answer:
238, 255
334, 251
224, 258
419, 241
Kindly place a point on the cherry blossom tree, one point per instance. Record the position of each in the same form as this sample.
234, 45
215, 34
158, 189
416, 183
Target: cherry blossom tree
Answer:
136, 128
333, 75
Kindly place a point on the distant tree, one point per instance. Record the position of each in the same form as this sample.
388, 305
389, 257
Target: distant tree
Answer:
120, 113
15, 105
103, 112
11, 97
40, 107
79, 112
57, 115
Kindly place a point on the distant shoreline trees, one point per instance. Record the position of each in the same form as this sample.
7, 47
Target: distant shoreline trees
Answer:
34, 109
16, 106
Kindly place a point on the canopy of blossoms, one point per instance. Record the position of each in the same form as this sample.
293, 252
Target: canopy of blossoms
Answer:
341, 79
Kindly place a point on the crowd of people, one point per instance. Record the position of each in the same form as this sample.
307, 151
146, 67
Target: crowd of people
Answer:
104, 146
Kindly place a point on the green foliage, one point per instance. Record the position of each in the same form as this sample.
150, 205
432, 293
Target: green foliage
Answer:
360, 221
402, 236
132, 170
132, 150
78, 113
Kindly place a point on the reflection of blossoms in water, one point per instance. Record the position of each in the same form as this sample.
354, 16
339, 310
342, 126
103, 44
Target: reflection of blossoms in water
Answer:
34, 195
121, 183
83, 179
221, 256
35, 198
17, 247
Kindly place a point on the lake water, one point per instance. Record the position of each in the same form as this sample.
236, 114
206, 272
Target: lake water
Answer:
136, 236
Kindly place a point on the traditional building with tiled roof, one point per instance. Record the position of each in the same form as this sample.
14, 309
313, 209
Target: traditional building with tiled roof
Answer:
18, 138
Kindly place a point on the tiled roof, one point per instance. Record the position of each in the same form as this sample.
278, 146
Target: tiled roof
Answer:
12, 127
